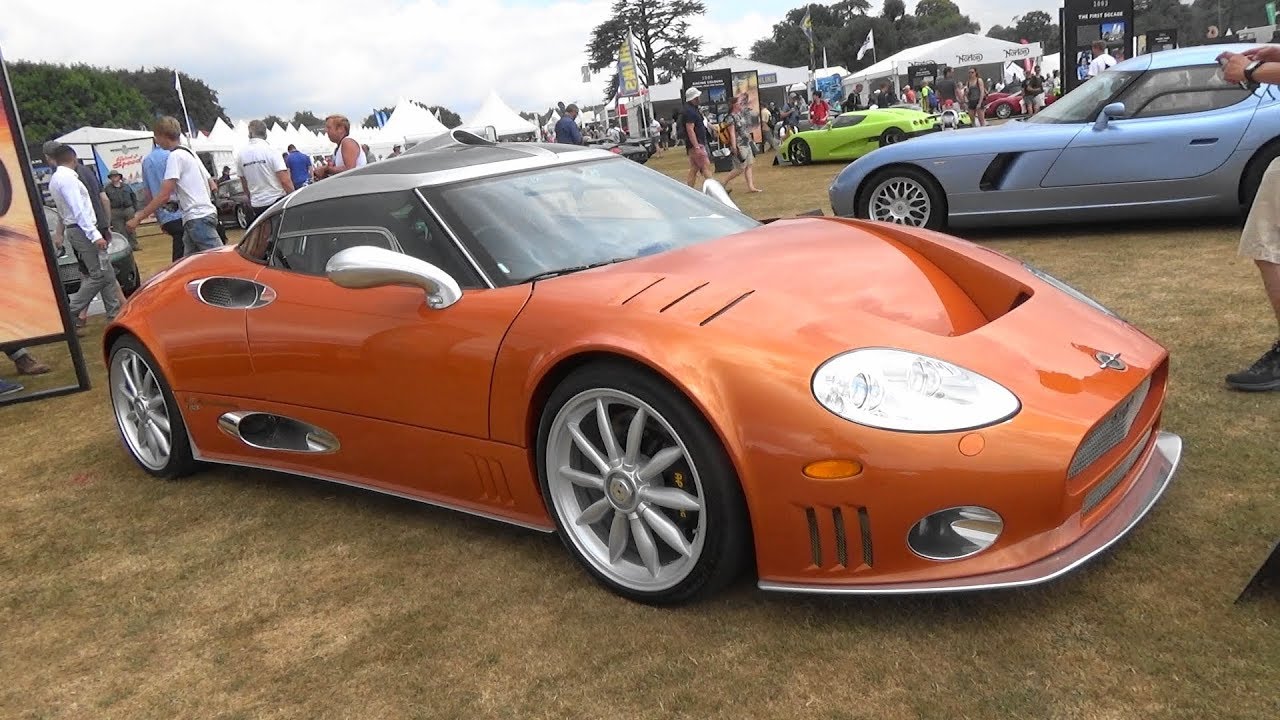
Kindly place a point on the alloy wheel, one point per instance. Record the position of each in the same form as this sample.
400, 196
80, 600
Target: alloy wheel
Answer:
800, 153
141, 410
626, 490
901, 200
242, 217
1003, 111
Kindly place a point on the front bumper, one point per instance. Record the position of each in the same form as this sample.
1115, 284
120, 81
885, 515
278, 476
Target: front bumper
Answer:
1153, 478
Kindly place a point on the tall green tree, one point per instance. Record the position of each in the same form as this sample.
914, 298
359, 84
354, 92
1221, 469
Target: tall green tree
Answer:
56, 99
272, 120
1035, 26
157, 86
448, 118
307, 119
663, 39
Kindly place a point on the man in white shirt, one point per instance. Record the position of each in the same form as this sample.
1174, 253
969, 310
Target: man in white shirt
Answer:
1102, 60
262, 170
80, 229
187, 177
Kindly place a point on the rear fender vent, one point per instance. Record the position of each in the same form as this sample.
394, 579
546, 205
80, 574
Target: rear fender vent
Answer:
996, 171
231, 293
828, 528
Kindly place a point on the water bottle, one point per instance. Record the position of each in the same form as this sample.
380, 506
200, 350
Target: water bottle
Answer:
104, 260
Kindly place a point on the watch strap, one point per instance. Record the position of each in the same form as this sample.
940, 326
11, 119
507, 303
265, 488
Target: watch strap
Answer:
1251, 68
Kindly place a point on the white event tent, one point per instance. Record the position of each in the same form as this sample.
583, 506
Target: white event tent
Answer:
963, 50
498, 115
409, 121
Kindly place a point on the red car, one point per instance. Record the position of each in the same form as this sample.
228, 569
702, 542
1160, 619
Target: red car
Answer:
1008, 103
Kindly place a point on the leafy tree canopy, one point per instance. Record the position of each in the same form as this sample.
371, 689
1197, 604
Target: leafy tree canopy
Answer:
1035, 26
663, 41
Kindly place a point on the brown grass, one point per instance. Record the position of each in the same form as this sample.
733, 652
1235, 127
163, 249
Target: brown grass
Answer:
248, 594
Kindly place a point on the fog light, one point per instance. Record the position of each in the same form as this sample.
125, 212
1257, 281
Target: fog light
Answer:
955, 533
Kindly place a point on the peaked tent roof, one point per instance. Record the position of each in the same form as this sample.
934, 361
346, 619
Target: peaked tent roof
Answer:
410, 119
963, 49
497, 114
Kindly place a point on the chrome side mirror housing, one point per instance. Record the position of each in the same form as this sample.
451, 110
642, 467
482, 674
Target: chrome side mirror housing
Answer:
366, 266
1114, 110
714, 189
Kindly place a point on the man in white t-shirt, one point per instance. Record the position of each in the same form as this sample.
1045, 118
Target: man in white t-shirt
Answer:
187, 177
262, 170
1102, 60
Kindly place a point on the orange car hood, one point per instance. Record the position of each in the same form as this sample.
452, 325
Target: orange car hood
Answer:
810, 264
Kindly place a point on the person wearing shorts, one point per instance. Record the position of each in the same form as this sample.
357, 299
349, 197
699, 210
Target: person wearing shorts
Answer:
740, 141
1260, 240
695, 134
976, 90
1033, 94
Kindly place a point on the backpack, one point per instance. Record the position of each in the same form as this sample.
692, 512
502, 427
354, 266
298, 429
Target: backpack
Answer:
722, 132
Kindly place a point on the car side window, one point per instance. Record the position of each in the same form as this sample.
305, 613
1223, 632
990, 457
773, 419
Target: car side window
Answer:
401, 214
257, 242
847, 121
309, 252
1177, 91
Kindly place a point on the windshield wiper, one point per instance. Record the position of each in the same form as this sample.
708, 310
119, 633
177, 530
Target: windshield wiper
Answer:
573, 269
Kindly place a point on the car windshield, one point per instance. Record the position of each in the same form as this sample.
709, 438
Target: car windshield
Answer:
528, 224
1083, 104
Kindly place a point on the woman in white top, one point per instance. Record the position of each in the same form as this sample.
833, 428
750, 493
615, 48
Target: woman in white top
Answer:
348, 154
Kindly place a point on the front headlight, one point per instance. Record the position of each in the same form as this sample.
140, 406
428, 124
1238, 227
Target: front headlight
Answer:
1069, 290
900, 390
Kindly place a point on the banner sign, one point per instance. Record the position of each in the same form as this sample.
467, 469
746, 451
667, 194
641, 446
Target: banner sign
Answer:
125, 157
829, 86
628, 70
1158, 40
746, 87
918, 75
716, 87
768, 79
1087, 21
32, 310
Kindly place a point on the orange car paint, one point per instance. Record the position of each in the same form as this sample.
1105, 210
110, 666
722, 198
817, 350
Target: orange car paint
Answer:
443, 405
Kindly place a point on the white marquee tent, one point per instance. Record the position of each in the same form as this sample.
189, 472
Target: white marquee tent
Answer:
409, 120
497, 114
959, 51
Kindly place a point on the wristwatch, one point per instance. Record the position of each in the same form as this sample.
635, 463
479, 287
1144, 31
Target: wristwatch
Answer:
1250, 69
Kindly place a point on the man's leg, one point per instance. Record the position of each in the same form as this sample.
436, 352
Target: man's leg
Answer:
1260, 241
174, 229
118, 219
201, 234
23, 360
92, 282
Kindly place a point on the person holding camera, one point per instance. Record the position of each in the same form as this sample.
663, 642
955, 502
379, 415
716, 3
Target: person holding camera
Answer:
1260, 240
740, 143
186, 178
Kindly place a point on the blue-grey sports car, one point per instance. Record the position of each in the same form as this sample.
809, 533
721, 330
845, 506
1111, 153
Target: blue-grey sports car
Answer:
1155, 136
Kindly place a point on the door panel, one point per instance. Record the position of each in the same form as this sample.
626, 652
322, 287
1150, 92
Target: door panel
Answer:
1171, 147
380, 353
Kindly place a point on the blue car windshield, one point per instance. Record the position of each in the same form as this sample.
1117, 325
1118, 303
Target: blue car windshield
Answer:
541, 221
1083, 104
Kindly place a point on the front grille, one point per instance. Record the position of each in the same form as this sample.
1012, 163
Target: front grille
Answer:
1104, 488
1110, 432
838, 535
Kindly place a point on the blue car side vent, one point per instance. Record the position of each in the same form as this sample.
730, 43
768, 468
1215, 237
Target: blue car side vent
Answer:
996, 171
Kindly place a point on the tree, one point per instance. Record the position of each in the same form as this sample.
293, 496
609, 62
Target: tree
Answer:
55, 99
894, 10
307, 119
156, 85
661, 31
1035, 26
272, 120
448, 118
721, 53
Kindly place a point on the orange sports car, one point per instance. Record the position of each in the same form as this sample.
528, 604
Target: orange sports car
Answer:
562, 339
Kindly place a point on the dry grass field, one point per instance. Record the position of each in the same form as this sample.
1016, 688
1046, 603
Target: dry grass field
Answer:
245, 594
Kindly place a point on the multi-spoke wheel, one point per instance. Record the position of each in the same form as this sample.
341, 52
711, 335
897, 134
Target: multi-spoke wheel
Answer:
800, 153
146, 413
904, 196
641, 490
1003, 111
242, 217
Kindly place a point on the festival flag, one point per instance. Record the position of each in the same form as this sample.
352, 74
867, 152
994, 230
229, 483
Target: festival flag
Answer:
868, 44
177, 83
628, 69
807, 26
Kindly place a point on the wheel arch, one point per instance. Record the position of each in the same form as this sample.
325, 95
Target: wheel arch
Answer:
1272, 148
865, 186
564, 366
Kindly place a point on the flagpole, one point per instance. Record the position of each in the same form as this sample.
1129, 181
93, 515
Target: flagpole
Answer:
177, 83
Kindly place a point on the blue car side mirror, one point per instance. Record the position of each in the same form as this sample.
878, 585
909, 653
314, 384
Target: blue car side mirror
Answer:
1114, 110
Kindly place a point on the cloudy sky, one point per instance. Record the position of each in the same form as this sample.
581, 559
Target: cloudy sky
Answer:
351, 56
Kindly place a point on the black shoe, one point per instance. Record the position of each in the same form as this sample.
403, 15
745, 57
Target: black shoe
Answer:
1262, 375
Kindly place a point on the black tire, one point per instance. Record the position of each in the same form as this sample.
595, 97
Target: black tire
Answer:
799, 153
129, 278
937, 199
242, 217
892, 136
181, 462
728, 541
1253, 173
1003, 111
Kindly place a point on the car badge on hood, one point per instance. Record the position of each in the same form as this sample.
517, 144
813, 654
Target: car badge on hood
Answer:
1107, 361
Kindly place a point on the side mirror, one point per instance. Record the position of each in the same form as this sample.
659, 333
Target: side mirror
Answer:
366, 266
1114, 110
711, 188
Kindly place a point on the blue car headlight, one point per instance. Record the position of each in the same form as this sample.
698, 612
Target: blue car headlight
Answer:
898, 390
1055, 282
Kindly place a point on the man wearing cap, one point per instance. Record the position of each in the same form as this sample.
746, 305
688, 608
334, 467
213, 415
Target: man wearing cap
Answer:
75, 205
695, 137
186, 178
124, 205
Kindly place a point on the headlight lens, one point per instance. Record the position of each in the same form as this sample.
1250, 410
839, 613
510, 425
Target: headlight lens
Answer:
899, 390
1069, 290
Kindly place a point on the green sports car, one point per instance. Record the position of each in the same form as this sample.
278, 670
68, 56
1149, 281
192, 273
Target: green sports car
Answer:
854, 134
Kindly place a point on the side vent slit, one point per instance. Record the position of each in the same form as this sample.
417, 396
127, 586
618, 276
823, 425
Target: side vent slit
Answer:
842, 547
726, 308
815, 542
641, 291
682, 297
864, 523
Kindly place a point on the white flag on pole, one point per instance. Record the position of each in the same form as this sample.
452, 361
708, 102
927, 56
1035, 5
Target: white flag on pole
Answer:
177, 83
868, 44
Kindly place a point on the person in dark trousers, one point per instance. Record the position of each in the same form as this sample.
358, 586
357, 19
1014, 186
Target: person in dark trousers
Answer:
170, 220
946, 88
124, 204
567, 130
